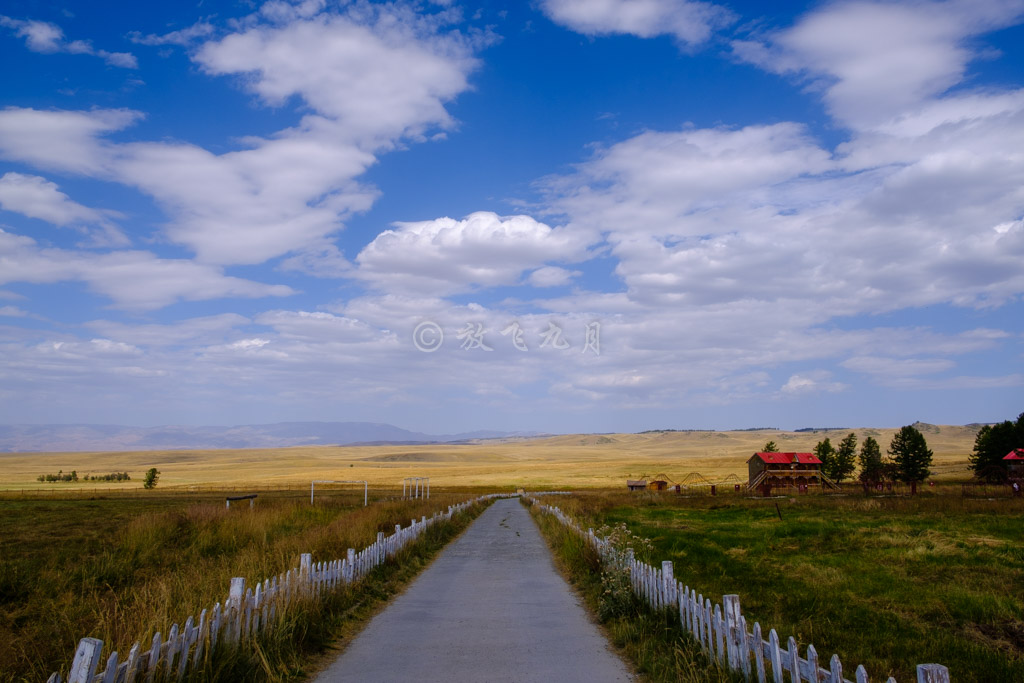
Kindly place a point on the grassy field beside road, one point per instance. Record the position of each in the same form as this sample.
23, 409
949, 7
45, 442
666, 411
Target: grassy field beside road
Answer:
885, 582
121, 568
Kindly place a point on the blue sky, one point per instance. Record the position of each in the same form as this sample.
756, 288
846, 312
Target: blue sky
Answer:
235, 213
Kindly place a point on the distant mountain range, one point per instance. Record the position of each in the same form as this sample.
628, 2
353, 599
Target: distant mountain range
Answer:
90, 437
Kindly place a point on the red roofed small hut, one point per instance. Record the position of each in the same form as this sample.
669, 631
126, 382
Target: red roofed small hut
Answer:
771, 470
1015, 463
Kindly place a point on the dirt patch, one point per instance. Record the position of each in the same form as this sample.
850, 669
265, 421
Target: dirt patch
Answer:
1007, 636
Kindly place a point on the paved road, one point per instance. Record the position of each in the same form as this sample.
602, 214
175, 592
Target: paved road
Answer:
490, 608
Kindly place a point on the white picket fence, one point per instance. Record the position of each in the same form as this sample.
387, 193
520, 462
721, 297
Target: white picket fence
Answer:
246, 613
721, 629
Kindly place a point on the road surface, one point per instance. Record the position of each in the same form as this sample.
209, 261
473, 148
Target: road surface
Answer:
490, 608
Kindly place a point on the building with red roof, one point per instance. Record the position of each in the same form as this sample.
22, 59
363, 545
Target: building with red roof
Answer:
1015, 463
770, 470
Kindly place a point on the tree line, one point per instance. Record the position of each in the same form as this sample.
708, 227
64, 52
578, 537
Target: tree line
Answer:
909, 456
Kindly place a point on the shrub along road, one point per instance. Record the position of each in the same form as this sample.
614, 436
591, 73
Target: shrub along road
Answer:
490, 608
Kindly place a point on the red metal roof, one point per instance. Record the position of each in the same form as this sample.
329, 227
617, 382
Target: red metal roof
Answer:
788, 458
1015, 454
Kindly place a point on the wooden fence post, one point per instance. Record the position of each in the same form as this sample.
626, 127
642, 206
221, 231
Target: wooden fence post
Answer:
87, 659
731, 608
667, 582
235, 609
932, 673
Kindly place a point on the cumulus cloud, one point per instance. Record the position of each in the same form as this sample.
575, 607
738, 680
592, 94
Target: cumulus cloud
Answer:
691, 23
445, 255
47, 38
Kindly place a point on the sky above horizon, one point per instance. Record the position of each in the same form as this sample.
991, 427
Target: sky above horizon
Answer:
557, 216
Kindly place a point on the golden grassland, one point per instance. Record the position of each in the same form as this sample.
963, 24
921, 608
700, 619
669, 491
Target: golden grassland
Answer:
570, 461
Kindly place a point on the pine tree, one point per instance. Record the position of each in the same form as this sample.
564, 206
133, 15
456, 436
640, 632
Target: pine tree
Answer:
770, 447
827, 455
992, 445
910, 454
845, 458
870, 461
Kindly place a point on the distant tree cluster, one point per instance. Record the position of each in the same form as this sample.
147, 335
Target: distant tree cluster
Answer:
73, 476
113, 476
993, 443
60, 476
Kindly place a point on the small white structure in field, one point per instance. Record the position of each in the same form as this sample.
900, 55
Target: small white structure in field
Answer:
415, 487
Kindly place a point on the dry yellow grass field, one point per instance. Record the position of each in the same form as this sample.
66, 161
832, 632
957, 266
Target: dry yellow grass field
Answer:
571, 461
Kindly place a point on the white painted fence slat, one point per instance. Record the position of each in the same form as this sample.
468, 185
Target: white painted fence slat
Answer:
932, 673
172, 648
812, 664
86, 661
758, 645
131, 664
718, 622
775, 656
110, 674
154, 657
793, 655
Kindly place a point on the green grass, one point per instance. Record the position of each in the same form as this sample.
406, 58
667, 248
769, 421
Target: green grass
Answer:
888, 583
120, 569
652, 641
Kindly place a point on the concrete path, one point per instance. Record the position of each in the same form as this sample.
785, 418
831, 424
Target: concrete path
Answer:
490, 608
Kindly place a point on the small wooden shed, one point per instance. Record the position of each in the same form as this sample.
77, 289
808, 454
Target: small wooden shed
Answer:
1015, 463
636, 484
658, 485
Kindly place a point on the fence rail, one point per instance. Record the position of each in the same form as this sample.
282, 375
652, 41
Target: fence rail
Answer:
247, 612
721, 630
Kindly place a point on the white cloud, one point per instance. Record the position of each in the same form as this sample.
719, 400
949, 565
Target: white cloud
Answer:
205, 330
61, 140
689, 22
482, 250
665, 182
552, 276
379, 76
815, 381
41, 36
877, 60
368, 78
12, 312
897, 367
186, 36
132, 279
36, 197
